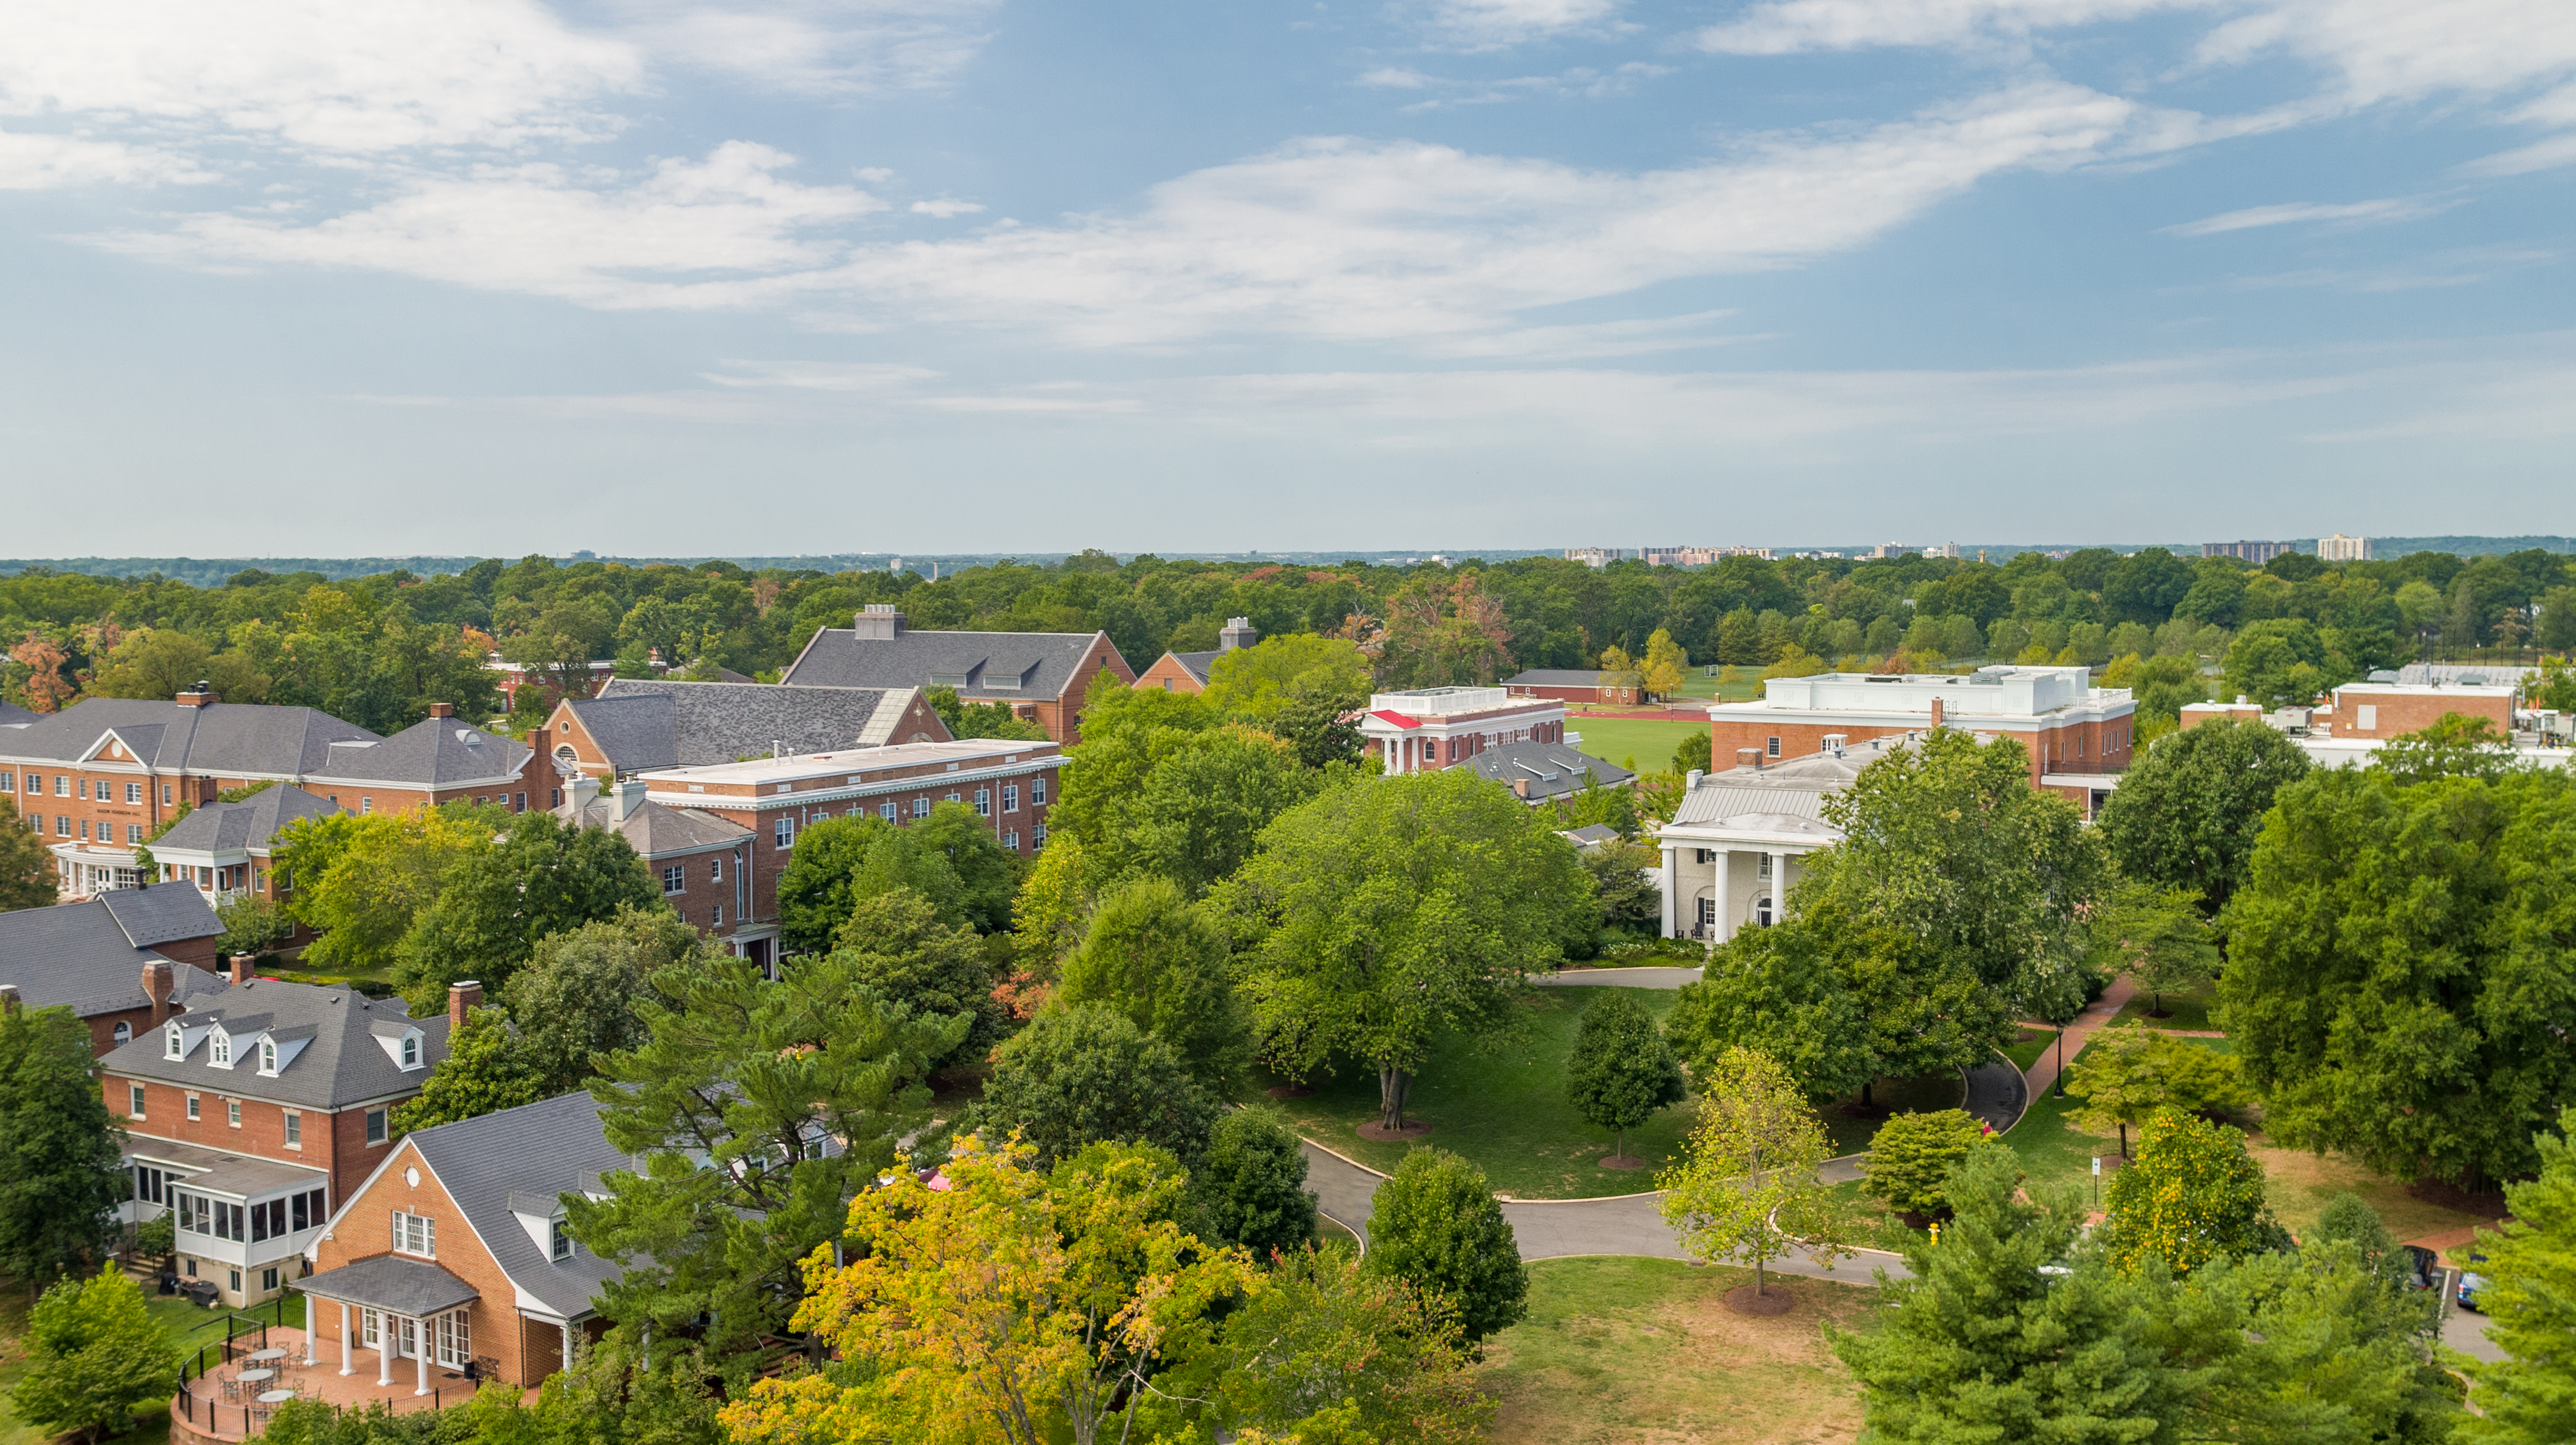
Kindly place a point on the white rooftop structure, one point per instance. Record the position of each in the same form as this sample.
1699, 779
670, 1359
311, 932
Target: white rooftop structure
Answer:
1737, 838
1996, 692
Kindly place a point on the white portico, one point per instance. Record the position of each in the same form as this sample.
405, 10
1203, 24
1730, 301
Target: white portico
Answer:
1737, 841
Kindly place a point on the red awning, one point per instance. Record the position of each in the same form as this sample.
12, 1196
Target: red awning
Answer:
1397, 718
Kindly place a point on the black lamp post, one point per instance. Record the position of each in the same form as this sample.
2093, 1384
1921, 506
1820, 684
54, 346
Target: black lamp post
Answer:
2059, 1088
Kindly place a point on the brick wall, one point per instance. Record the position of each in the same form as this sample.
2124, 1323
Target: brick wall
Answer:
1167, 675
365, 1230
2396, 714
2068, 747
333, 1142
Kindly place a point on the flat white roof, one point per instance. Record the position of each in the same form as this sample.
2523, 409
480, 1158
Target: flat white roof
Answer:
856, 760
2424, 689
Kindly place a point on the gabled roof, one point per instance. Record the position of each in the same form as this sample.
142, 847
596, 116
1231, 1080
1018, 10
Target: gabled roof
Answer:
1551, 770
242, 739
12, 715
1196, 664
84, 956
541, 1150
985, 666
246, 826
653, 830
649, 723
1556, 677
341, 1066
438, 752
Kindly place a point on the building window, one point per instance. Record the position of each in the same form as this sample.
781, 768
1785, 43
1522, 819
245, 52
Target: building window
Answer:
1762, 912
267, 1057
308, 1211
411, 1051
62, 825
519, 803
557, 795
165, 795
366, 805
134, 1101
415, 1234
562, 1240
455, 1345
375, 1126
268, 1278
1708, 913
1762, 865
134, 833
1773, 748
192, 1106
1037, 838
1010, 797
80, 790
268, 1220
62, 785
123, 1033
368, 1330
675, 879
232, 1112
1037, 792
983, 802
784, 832
236, 1274
294, 1130
220, 1049
715, 917
1011, 840
920, 808
715, 869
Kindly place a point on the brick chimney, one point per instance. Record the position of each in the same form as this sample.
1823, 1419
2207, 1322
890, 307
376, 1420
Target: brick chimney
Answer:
240, 968
160, 981
200, 695
442, 709
878, 621
1936, 712
8, 1000
1748, 758
1521, 786
462, 999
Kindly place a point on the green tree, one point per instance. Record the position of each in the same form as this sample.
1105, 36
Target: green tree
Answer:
755, 1110
1085, 1075
577, 998
1665, 665
1623, 878
2188, 813
814, 896
2125, 1075
2192, 1195
95, 1353
1163, 963
2455, 746
1911, 1155
987, 874
2529, 1396
2396, 979
27, 872
1256, 684
539, 877
1981, 1341
2311, 1344
1692, 752
1326, 1349
1775, 992
896, 946
1250, 1187
361, 882
981, 719
1947, 847
1621, 1072
252, 924
1435, 1226
487, 1069
2156, 936
1749, 1189
1376, 916
2281, 662
61, 1169
1161, 784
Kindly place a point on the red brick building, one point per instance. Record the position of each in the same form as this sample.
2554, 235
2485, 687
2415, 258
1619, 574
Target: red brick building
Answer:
1572, 685
254, 1113
1188, 671
633, 726
97, 958
704, 860
1042, 677
1431, 728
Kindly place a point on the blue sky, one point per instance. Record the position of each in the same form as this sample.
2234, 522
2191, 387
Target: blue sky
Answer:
298, 276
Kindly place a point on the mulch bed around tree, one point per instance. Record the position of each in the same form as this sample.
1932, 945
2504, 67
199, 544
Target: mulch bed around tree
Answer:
1289, 1091
1377, 1133
1772, 1301
1622, 1161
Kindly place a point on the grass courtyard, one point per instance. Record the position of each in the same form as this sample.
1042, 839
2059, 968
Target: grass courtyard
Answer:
1622, 1351
189, 1328
1616, 740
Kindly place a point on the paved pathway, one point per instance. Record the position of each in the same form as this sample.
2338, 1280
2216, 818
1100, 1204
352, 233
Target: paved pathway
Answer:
2091, 1021
1617, 977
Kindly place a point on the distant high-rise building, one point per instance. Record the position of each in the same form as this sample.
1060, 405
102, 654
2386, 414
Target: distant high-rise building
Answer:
1594, 556
1950, 550
1696, 556
2340, 548
2257, 553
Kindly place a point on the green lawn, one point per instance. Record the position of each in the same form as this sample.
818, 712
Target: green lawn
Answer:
373, 982
1645, 1350
2025, 1051
1501, 1104
2189, 1010
1616, 740
189, 1328
1746, 684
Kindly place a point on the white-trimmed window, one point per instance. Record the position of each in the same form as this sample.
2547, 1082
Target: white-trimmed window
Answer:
887, 811
1037, 792
415, 1234
561, 1239
192, 1106
716, 917
983, 802
1037, 838
783, 832
715, 869
268, 1057
134, 793
123, 1033
232, 1113
134, 1101
1010, 797
411, 1051
1011, 840
455, 1346
675, 879
920, 808
954, 798
174, 1040
375, 1126
294, 1130
369, 1330
220, 1049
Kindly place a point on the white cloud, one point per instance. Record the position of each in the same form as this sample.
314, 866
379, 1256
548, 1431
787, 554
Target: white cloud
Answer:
944, 209
1581, 82
40, 162
689, 234
336, 75
1396, 78
2382, 50
1784, 27
2399, 208
817, 46
855, 376
1490, 24
2522, 160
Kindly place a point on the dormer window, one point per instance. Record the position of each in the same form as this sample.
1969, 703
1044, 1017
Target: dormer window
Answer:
220, 1052
411, 1051
177, 1042
268, 1058
561, 1245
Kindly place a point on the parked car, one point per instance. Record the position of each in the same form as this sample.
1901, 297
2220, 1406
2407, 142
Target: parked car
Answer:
2472, 1283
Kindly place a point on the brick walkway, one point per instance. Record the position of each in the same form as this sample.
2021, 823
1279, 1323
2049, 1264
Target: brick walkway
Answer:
2092, 1020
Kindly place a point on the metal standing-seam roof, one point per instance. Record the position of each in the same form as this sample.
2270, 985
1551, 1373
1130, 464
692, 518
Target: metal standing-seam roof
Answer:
245, 826
537, 1152
1551, 770
985, 666
85, 955
342, 1064
643, 723
242, 739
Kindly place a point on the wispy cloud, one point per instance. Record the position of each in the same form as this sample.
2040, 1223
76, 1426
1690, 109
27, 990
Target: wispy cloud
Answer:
33, 162
2397, 208
1493, 24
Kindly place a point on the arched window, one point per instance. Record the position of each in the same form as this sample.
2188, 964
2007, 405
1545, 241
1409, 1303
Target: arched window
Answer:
176, 1039
267, 1057
124, 1033
1762, 911
411, 1051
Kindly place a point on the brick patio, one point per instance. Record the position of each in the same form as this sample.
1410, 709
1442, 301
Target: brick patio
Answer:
203, 1414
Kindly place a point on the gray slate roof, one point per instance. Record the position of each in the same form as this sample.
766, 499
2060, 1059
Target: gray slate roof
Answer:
246, 826
236, 738
11, 715
342, 1065
653, 829
544, 1149
646, 723
1590, 835
90, 956
1196, 664
1554, 677
1552, 770
984, 666
394, 1282
434, 752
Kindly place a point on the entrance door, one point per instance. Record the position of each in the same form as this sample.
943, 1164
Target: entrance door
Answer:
408, 1345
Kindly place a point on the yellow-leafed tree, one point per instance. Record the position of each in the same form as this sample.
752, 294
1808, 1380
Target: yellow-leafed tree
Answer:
1665, 664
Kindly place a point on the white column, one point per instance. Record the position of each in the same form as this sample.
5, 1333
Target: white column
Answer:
312, 1345
1725, 901
384, 1348
569, 1337
1779, 885
1672, 888
345, 1348
420, 1354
